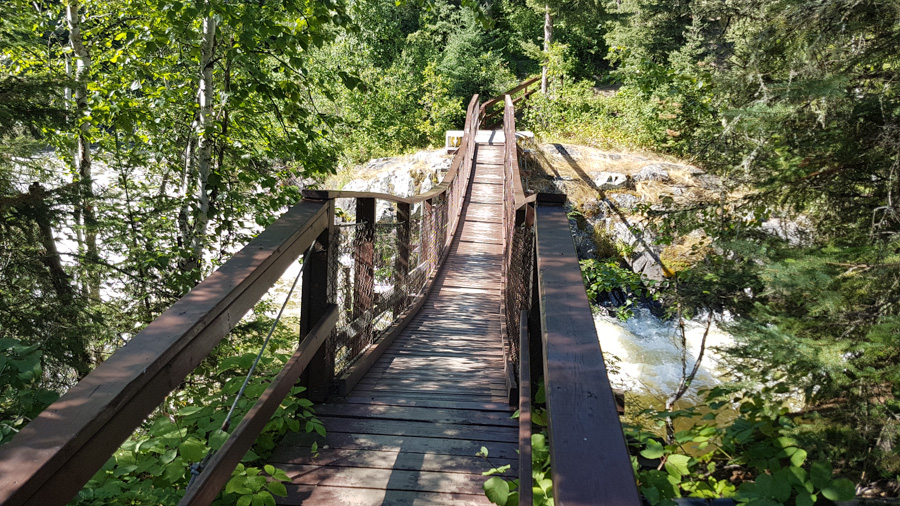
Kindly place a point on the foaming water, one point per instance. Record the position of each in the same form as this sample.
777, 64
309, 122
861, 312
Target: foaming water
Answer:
645, 352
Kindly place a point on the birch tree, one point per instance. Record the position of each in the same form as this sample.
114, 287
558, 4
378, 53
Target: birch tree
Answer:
85, 215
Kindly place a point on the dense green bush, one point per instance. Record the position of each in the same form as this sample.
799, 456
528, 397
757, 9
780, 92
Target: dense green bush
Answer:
752, 456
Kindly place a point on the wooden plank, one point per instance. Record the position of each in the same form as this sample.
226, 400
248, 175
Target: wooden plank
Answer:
387, 479
300, 442
434, 383
49, 461
316, 290
434, 415
422, 394
430, 403
525, 492
585, 434
364, 273
420, 429
387, 369
439, 391
324, 496
395, 459
218, 471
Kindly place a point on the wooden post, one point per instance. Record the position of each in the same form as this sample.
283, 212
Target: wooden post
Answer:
401, 264
445, 222
427, 233
364, 272
317, 293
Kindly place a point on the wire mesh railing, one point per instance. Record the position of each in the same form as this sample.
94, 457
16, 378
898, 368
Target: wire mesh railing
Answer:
518, 227
385, 248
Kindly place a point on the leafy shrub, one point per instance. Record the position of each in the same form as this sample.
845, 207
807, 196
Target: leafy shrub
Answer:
503, 491
753, 458
21, 396
154, 465
607, 276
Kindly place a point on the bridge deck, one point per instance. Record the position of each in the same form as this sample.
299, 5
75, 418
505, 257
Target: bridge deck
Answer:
409, 431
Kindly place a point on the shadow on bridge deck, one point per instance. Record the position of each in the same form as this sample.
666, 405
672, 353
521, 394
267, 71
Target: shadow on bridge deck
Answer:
409, 431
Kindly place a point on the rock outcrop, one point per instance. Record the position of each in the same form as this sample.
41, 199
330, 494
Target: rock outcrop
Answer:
608, 192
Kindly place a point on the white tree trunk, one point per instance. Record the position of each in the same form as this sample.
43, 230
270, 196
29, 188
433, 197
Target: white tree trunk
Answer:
199, 160
548, 38
205, 143
83, 147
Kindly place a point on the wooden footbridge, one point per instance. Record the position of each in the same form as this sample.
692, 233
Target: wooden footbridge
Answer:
425, 322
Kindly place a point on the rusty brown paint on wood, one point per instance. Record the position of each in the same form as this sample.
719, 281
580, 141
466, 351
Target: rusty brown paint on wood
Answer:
53, 456
316, 293
364, 272
525, 492
585, 434
512, 91
218, 470
401, 264
433, 395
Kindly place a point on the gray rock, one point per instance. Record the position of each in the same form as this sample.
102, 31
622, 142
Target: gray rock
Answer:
654, 172
609, 180
624, 200
565, 151
709, 182
645, 263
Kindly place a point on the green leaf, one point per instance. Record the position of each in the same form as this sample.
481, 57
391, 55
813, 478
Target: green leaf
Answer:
192, 450
174, 471
497, 470
497, 490
277, 488
654, 450
820, 474
189, 410
217, 439
677, 465
839, 490
804, 498
270, 469
169, 456
244, 500
798, 458
780, 488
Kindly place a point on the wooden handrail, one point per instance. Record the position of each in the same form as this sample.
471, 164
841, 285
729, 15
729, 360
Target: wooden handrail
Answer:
512, 153
487, 107
49, 461
525, 489
585, 433
586, 436
218, 470
490, 103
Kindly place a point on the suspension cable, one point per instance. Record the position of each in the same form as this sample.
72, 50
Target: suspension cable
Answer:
197, 467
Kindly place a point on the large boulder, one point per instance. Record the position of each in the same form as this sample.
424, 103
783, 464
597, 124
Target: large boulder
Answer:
609, 180
654, 172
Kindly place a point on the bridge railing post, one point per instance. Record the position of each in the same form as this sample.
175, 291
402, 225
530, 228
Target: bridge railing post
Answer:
316, 295
401, 262
364, 273
428, 235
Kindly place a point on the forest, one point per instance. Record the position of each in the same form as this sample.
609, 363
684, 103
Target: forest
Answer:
142, 142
